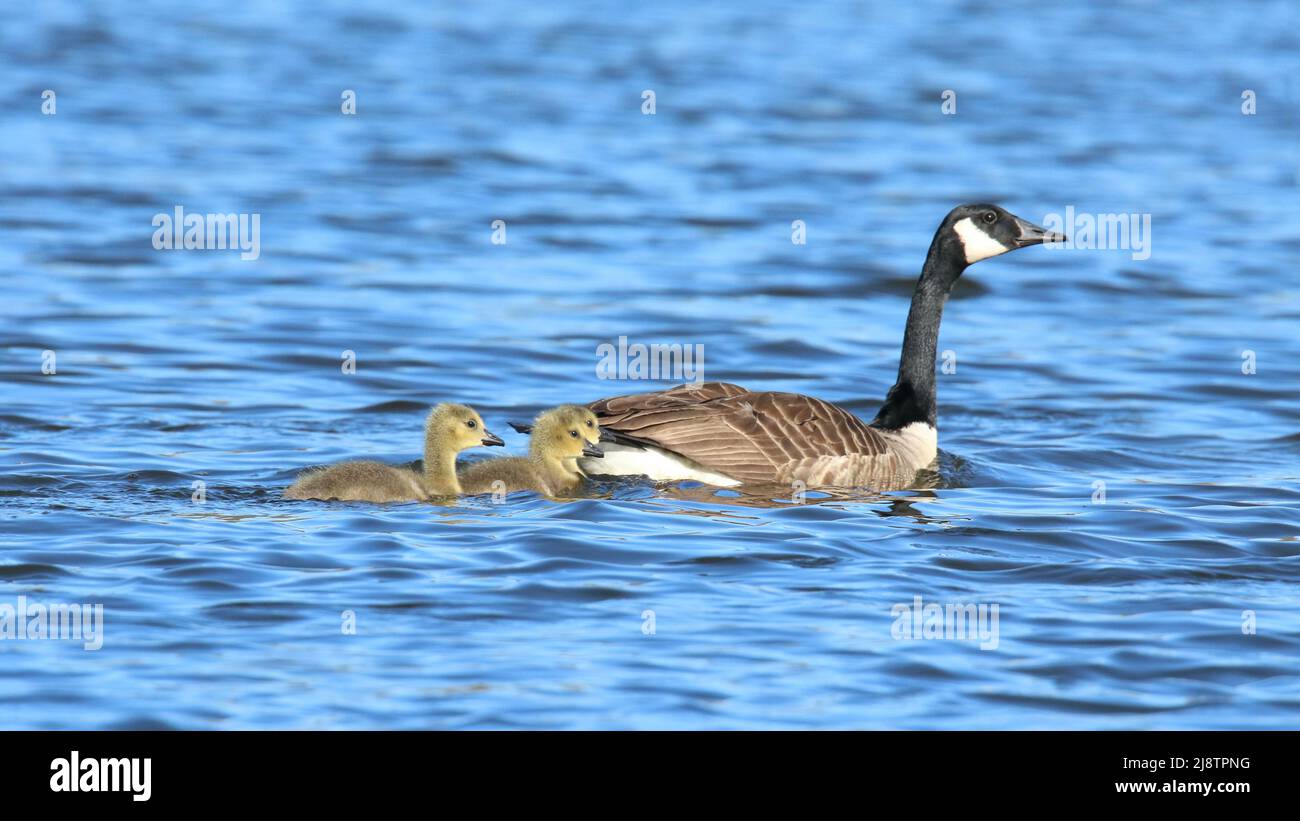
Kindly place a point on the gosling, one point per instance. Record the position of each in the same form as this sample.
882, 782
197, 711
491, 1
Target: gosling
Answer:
448, 430
559, 437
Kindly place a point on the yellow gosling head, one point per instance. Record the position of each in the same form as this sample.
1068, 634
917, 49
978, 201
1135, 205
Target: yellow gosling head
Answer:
566, 432
458, 427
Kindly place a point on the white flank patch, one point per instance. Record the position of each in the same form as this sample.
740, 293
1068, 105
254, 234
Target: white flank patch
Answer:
659, 465
977, 244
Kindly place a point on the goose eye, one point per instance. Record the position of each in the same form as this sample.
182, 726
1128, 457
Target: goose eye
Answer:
588, 423
990, 217
574, 434
472, 424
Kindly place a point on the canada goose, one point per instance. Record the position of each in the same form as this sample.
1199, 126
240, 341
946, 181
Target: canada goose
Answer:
559, 437
448, 430
723, 434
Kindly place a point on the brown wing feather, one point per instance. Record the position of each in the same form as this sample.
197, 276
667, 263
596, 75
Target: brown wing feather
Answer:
749, 436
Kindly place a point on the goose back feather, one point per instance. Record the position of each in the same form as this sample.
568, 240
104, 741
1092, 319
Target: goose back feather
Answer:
761, 437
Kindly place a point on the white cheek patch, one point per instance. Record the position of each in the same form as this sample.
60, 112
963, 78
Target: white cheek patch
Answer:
977, 244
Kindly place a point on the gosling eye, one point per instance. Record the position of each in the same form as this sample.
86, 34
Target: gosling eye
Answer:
588, 423
574, 434
472, 424
990, 217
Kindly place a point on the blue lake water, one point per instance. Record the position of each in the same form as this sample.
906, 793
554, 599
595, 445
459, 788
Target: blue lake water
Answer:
1072, 367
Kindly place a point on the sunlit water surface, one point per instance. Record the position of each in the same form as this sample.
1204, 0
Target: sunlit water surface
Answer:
1073, 368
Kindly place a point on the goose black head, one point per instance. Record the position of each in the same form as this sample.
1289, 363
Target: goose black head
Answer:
979, 231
